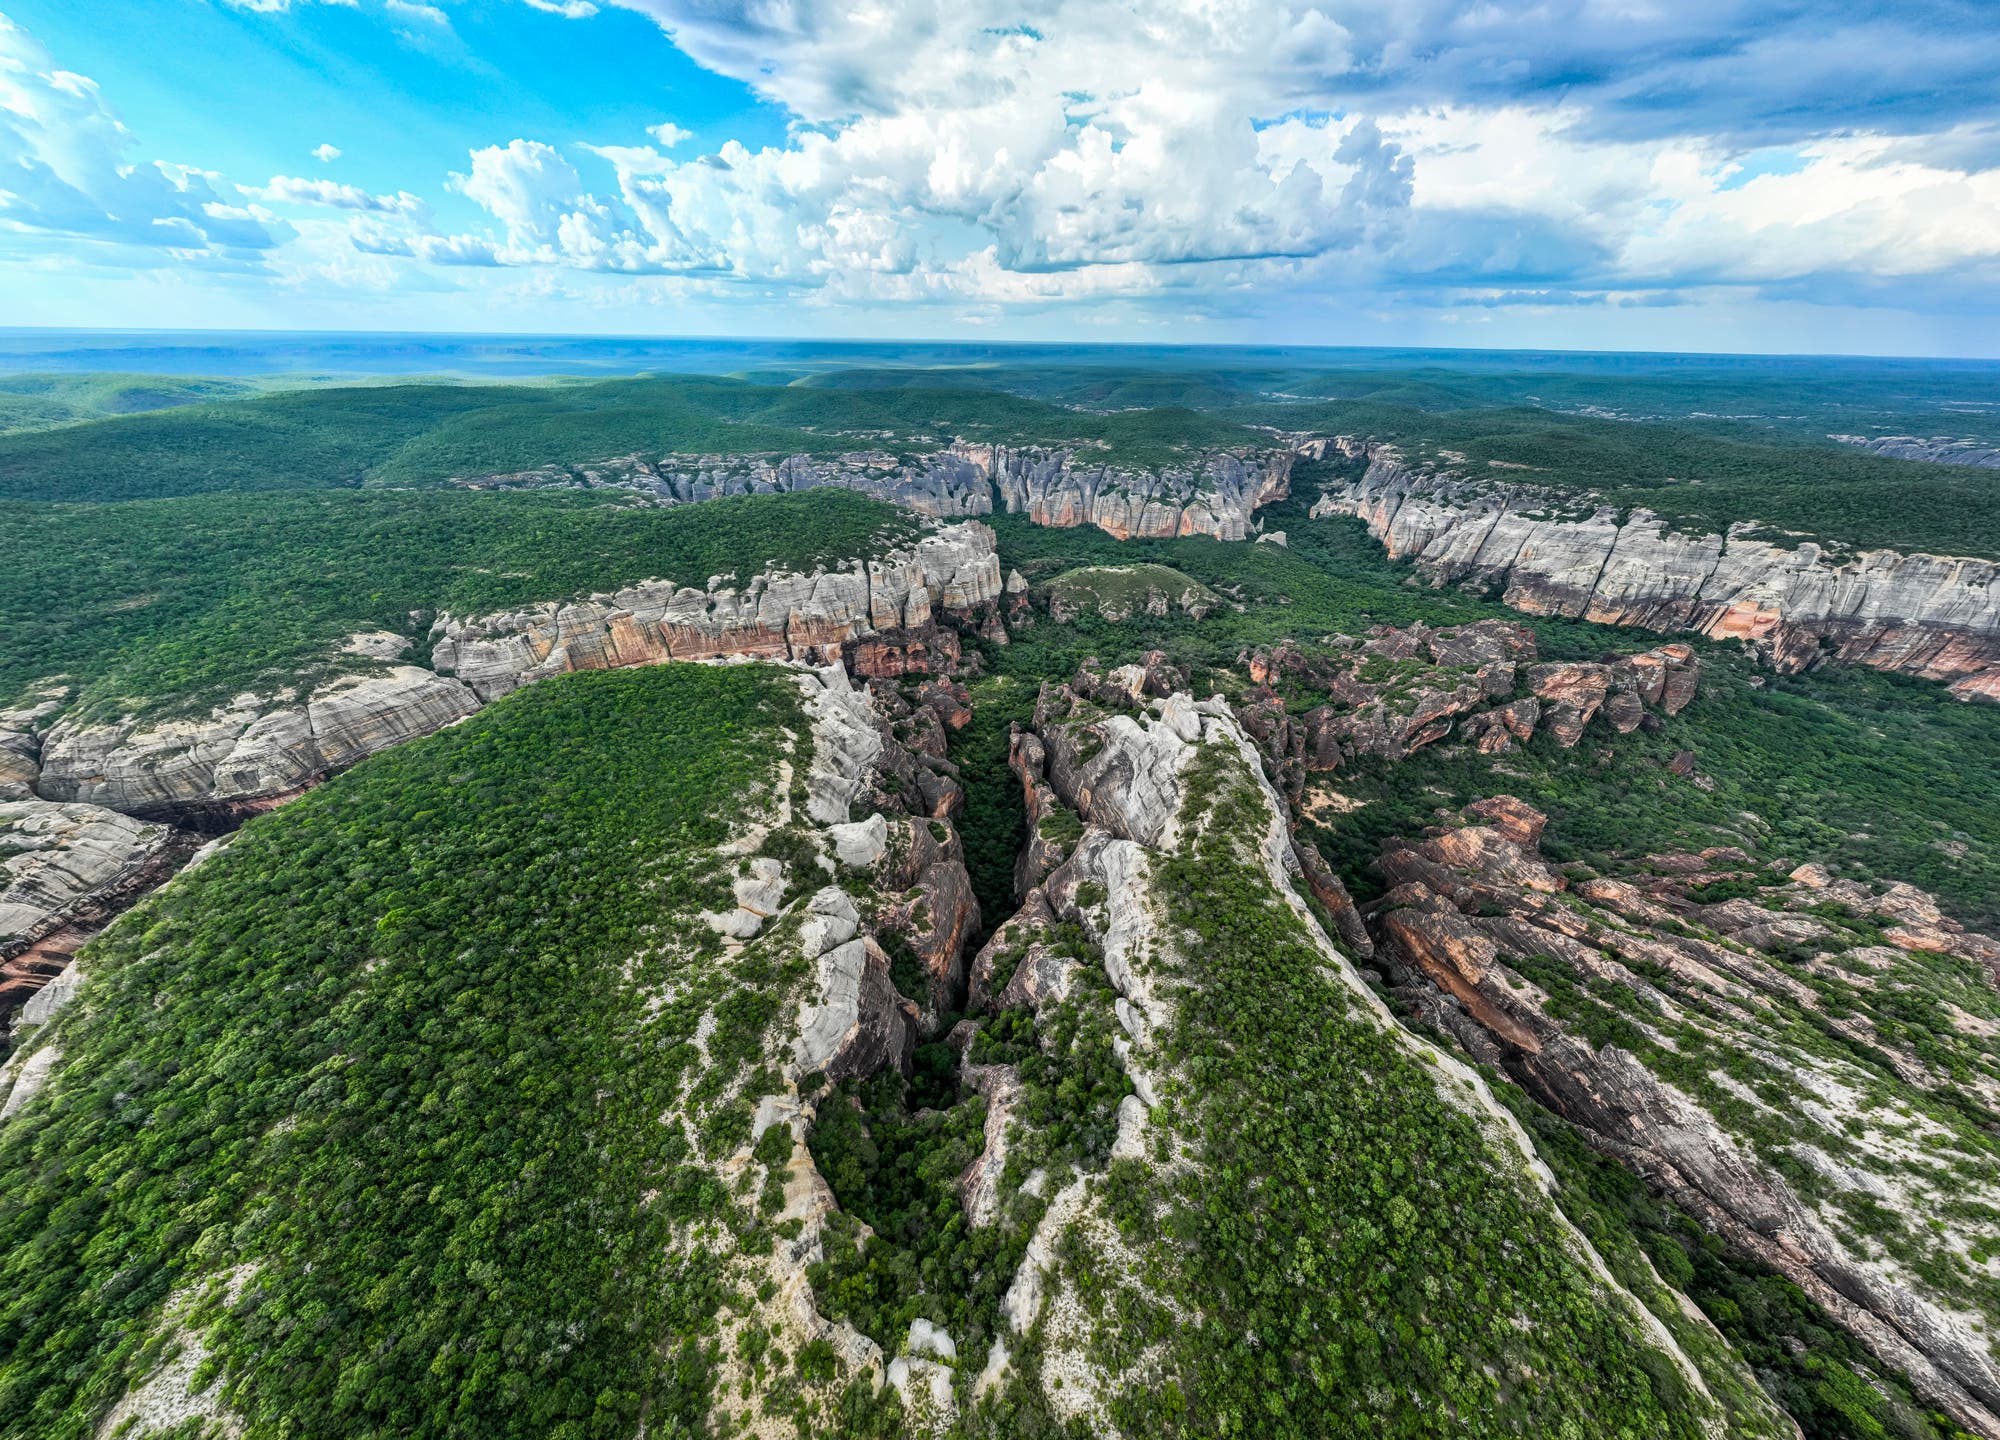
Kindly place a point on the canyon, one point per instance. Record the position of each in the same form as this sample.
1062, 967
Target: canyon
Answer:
1787, 1056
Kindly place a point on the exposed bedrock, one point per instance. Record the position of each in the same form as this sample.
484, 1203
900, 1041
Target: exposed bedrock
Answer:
1213, 492
778, 615
1937, 450
1933, 616
66, 871
1477, 926
211, 771
1312, 708
920, 904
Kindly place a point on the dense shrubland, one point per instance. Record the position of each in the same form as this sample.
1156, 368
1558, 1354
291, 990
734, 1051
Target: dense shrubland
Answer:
182, 602
378, 1091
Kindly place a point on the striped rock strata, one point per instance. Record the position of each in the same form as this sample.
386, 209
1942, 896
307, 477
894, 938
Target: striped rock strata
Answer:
1934, 616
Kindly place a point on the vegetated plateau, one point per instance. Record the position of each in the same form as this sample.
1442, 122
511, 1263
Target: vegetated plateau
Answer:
1118, 993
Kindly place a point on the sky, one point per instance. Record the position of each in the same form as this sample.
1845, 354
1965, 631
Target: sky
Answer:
1802, 176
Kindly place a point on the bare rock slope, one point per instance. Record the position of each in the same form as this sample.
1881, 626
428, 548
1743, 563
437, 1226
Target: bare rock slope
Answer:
1935, 616
1212, 492
212, 770
1808, 1067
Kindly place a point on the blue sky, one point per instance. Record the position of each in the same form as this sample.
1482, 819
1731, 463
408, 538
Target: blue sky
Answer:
1645, 174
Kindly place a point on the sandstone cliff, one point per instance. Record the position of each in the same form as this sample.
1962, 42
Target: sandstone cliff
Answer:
778, 615
1212, 493
1806, 1068
1938, 450
211, 771
1928, 615
65, 872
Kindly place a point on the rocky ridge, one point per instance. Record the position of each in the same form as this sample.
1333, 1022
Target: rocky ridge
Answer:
1933, 616
1808, 1067
261, 749
1938, 450
894, 879
1310, 708
1213, 493
1127, 758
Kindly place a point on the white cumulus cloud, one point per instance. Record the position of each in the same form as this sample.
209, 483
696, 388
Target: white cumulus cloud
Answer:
67, 169
291, 189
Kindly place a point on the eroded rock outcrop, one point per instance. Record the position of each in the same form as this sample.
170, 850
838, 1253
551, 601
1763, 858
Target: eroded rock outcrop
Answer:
22, 730
776, 615
1785, 1065
1212, 492
1310, 708
1215, 493
1934, 616
212, 771
920, 906
65, 872
1937, 450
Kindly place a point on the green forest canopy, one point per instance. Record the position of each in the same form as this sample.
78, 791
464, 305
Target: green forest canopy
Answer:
179, 603
397, 1051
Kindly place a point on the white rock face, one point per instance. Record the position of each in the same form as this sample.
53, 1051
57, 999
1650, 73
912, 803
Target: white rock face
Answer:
1937, 450
1214, 494
60, 855
1131, 1141
777, 615
21, 732
943, 484
1131, 785
928, 1339
831, 920
43, 1005
925, 1386
1935, 616
241, 757
860, 843
856, 1023
29, 1078
979, 1185
845, 744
